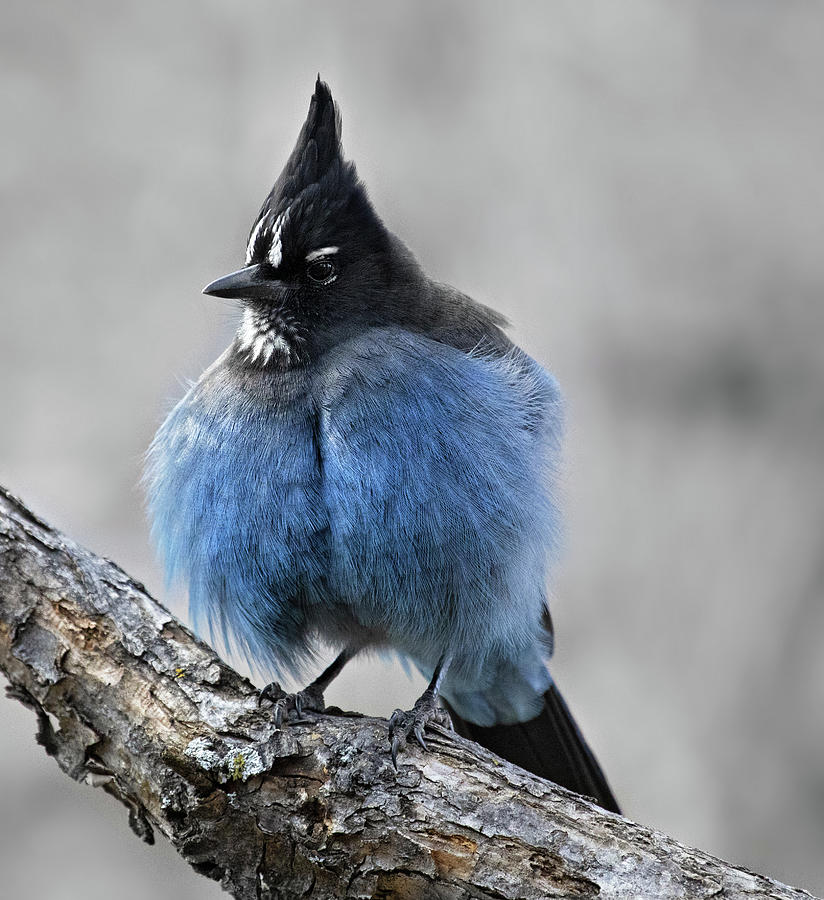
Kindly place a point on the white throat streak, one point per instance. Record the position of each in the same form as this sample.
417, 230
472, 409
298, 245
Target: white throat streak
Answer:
268, 337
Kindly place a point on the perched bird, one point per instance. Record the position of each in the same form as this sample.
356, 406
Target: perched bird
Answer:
370, 466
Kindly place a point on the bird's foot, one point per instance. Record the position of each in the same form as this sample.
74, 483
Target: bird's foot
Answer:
406, 724
310, 698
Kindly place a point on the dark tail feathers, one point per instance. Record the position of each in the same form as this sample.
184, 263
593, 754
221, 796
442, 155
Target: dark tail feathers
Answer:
550, 745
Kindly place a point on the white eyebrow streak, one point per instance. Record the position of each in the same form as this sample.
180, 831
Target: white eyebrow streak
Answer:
324, 251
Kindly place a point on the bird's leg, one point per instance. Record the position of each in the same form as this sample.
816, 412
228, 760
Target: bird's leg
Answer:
311, 697
404, 724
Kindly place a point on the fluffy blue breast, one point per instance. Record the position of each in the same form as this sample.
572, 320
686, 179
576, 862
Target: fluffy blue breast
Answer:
437, 470
235, 498
399, 490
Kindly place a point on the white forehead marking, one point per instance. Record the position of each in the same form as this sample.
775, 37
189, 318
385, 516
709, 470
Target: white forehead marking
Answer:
275, 249
324, 251
250, 247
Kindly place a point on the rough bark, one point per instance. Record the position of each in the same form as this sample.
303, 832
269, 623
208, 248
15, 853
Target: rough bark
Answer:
127, 699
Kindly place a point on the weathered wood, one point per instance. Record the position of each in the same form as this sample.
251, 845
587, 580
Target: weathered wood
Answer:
128, 700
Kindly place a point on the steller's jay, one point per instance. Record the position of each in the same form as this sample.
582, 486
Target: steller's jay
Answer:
369, 466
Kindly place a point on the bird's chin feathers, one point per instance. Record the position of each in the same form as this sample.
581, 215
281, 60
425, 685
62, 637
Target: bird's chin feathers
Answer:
270, 337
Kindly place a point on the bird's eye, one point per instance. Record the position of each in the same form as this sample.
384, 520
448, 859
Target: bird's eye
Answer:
321, 271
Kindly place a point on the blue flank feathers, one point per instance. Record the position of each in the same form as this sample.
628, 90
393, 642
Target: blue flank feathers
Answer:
397, 494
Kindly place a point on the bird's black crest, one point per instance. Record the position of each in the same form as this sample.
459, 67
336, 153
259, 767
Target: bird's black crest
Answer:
315, 186
317, 154
318, 149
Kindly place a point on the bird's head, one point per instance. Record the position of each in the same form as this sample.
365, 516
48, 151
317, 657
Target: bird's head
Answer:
318, 259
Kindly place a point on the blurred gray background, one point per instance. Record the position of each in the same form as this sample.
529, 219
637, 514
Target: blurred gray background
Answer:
637, 185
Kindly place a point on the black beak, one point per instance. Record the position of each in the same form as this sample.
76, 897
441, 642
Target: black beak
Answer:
248, 283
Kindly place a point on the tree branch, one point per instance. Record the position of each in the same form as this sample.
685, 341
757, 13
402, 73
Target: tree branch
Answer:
128, 700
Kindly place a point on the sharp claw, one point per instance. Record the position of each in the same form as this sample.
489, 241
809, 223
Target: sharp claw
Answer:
406, 725
292, 708
396, 745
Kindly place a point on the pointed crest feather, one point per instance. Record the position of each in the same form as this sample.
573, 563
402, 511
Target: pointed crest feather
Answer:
317, 149
314, 188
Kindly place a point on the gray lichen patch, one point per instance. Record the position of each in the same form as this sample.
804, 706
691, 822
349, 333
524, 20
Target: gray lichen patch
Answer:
200, 750
237, 763
245, 764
